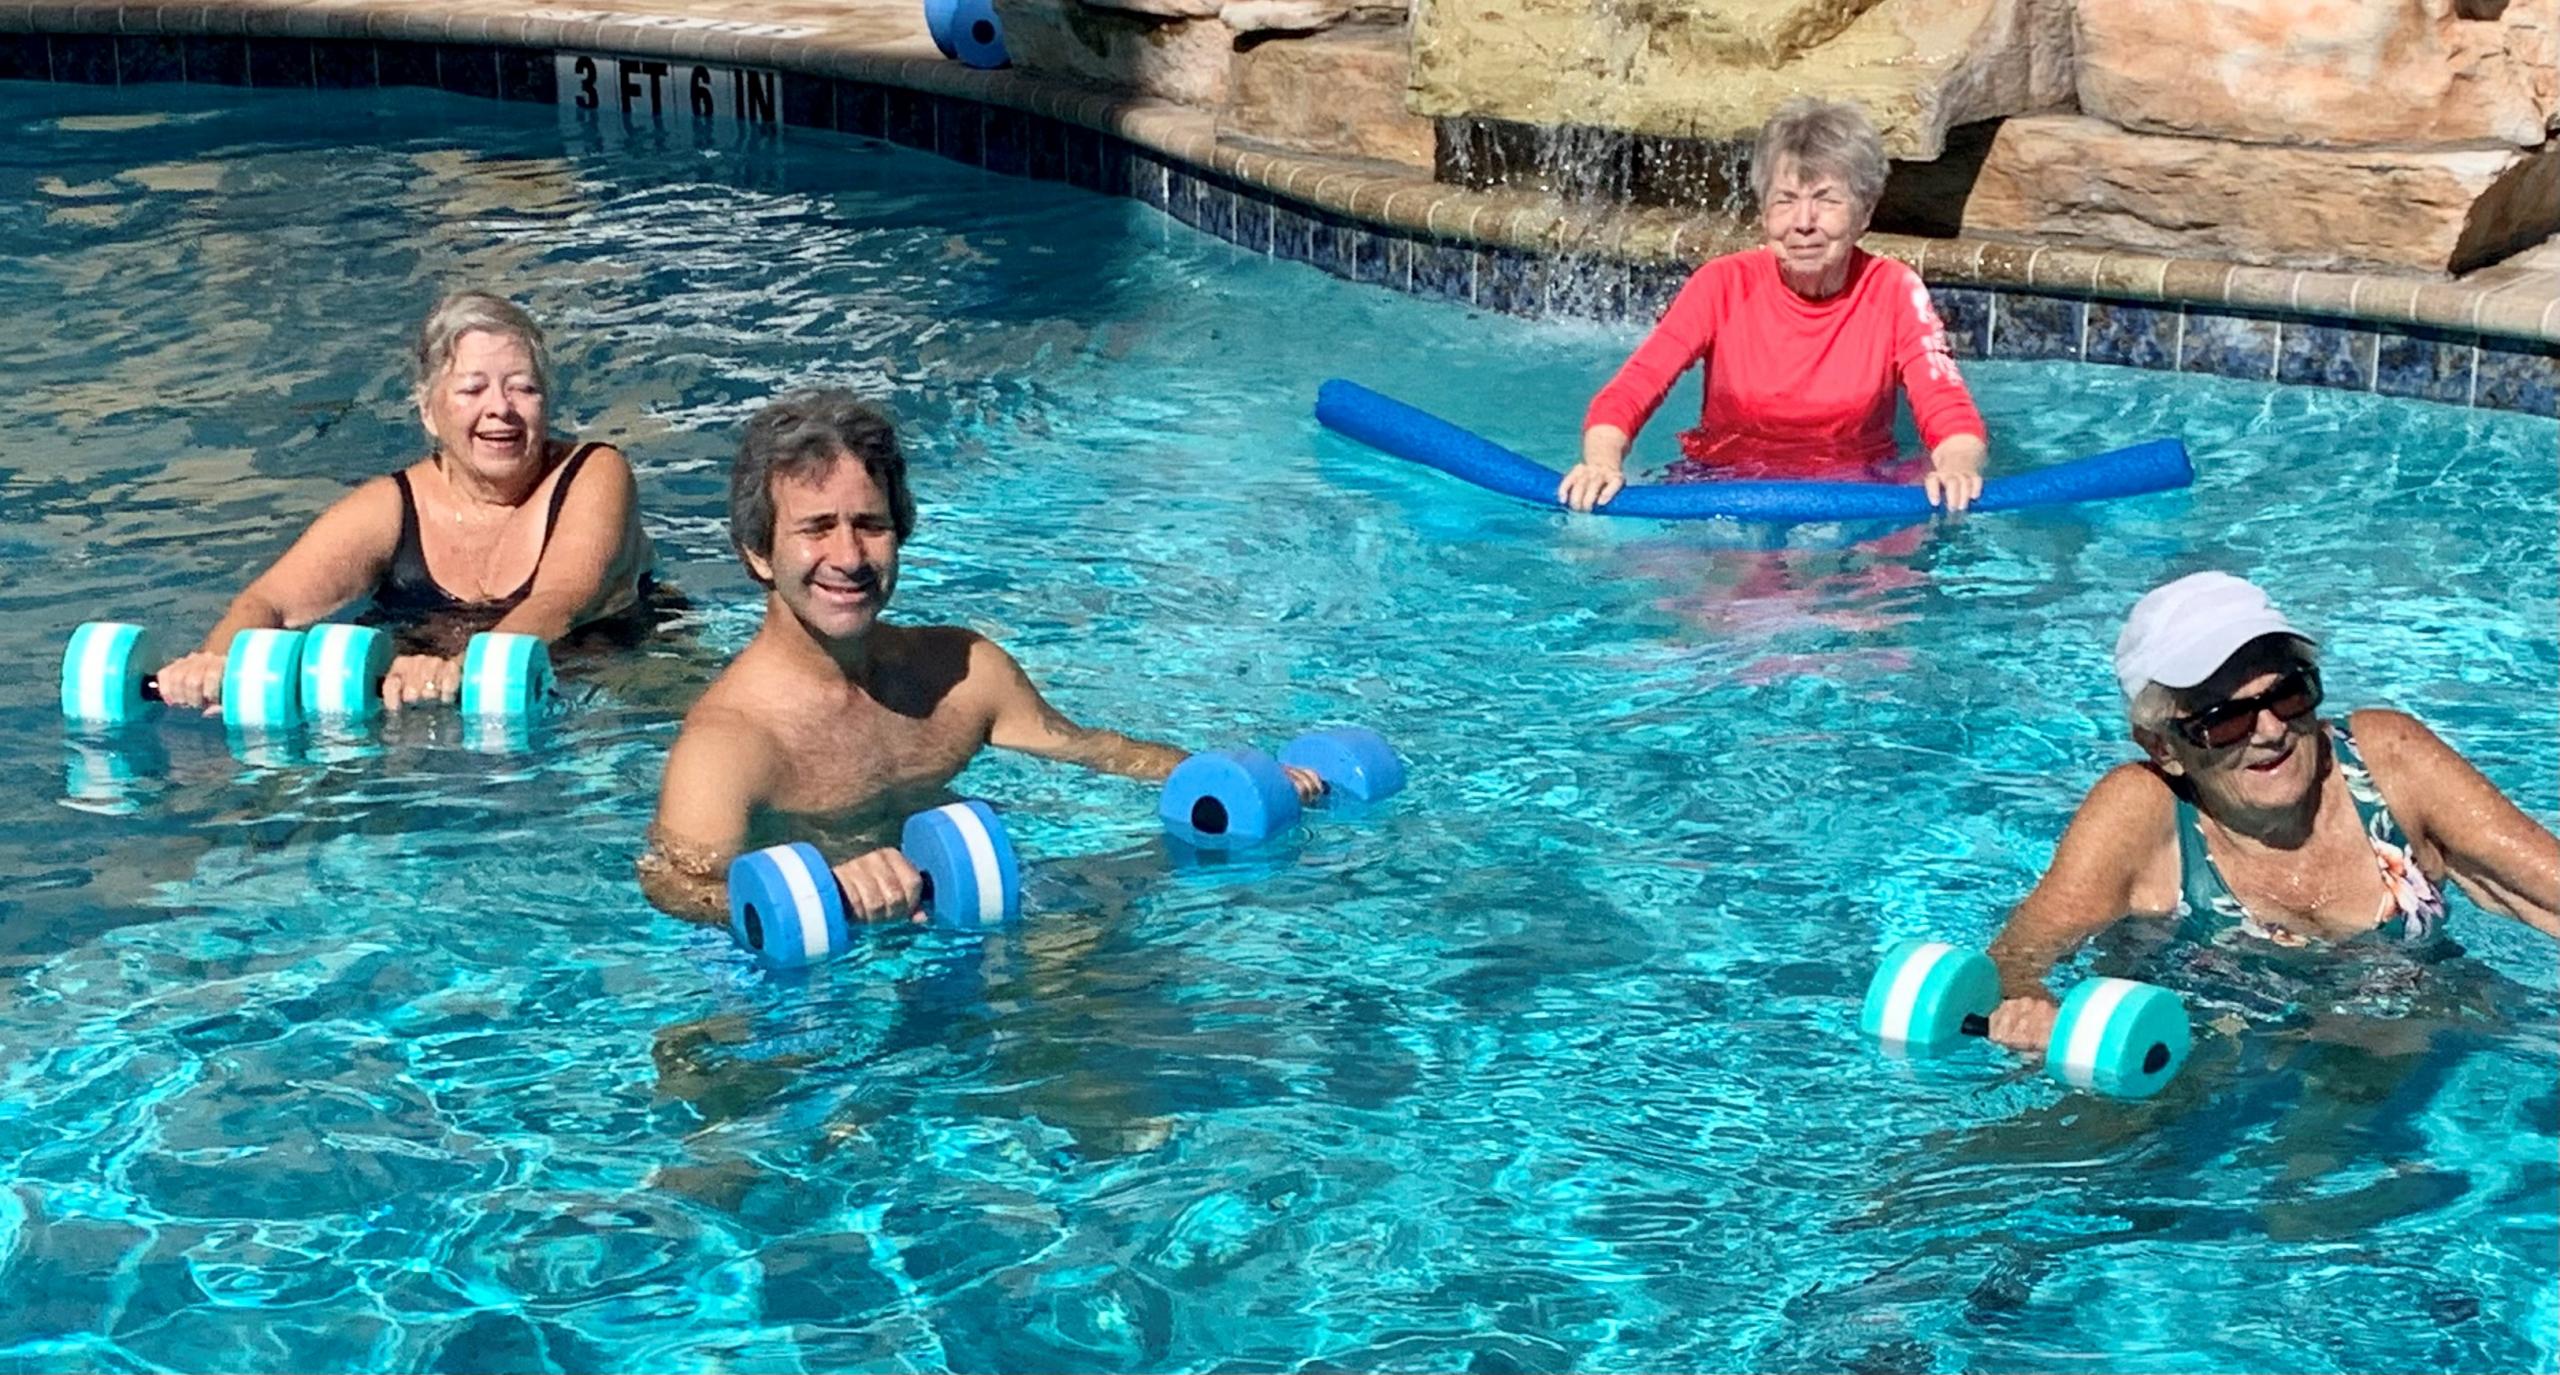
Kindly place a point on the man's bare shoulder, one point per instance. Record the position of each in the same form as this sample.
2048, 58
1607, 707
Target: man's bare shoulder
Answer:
737, 715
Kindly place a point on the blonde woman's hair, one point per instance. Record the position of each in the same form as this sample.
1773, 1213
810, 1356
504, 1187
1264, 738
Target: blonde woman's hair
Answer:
462, 312
1821, 136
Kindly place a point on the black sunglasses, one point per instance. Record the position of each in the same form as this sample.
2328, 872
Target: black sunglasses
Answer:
2224, 724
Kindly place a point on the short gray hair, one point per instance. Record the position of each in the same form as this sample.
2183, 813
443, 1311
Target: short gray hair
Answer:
1819, 136
803, 437
2152, 707
463, 312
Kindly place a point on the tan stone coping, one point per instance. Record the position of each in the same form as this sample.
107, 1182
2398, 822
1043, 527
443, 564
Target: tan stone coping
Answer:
883, 42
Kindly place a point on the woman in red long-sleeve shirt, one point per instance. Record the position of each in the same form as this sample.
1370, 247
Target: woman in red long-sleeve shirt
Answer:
1805, 339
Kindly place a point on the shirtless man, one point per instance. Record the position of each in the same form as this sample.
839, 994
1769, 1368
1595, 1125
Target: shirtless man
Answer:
833, 720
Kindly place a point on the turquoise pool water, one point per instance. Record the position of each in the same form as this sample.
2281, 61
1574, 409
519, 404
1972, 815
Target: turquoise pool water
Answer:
379, 1061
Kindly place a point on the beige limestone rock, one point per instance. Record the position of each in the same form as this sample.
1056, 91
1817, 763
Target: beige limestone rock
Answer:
2072, 180
1338, 92
2341, 73
1716, 68
1288, 16
1172, 59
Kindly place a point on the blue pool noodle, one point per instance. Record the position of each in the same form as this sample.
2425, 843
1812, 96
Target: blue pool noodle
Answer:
1384, 423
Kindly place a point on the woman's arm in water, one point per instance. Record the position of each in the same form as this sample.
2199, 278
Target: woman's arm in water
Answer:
2089, 887
2501, 857
1684, 334
337, 560
591, 568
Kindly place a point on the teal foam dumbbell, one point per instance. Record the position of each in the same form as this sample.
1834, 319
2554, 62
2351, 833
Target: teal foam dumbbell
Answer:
2119, 1037
108, 677
504, 676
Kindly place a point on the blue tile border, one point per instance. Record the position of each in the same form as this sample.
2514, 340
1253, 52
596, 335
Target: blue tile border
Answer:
149, 57
282, 64
25, 57
2132, 336
2510, 381
2024, 325
2414, 362
2237, 345
2426, 366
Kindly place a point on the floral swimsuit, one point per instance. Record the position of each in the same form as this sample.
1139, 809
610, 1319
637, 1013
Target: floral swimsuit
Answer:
2417, 905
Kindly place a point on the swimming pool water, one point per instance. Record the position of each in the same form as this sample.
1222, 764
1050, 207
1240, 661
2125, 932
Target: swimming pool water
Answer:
379, 1061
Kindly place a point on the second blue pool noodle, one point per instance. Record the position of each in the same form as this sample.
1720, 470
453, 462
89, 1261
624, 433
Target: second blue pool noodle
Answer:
1389, 425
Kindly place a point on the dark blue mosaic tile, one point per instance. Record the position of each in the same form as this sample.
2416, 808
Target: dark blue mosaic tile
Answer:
1651, 288
2228, 346
404, 64
808, 102
1183, 194
1151, 180
280, 63
149, 57
533, 77
1252, 222
1330, 244
1584, 287
24, 57
467, 71
2325, 356
1048, 158
1378, 259
1293, 234
861, 110
1441, 269
1966, 314
959, 130
2133, 336
1120, 169
2425, 367
1217, 210
1084, 150
339, 64
910, 119
1006, 146
2516, 381
2029, 326
1513, 283
86, 58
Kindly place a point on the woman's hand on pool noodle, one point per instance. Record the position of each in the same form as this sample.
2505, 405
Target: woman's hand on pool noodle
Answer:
881, 886
1392, 427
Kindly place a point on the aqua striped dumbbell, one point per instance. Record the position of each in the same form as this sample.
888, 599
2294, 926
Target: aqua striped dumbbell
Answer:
108, 678
504, 676
1243, 796
2119, 1037
786, 908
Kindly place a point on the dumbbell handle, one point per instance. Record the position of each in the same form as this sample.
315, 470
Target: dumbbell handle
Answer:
1975, 1024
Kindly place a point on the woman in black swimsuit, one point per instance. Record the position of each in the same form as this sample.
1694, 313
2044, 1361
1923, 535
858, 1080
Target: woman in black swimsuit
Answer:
500, 527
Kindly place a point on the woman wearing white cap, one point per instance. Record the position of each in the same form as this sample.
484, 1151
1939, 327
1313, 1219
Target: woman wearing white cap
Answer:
2252, 814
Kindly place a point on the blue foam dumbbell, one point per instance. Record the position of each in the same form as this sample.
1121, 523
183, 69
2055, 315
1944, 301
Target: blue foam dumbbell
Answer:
786, 908
2119, 1037
1242, 796
968, 30
107, 677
